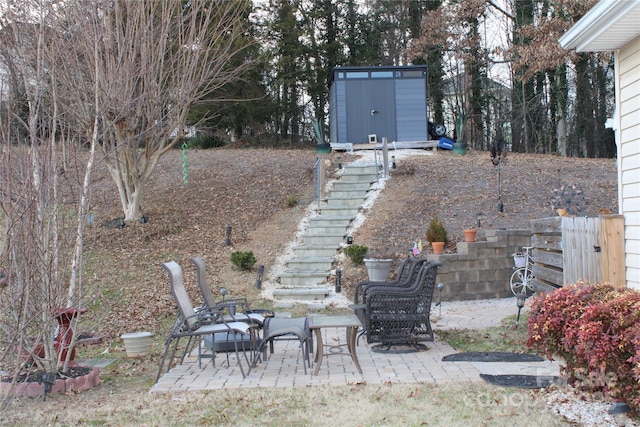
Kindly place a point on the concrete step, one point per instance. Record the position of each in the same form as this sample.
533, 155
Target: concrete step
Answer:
304, 251
345, 201
330, 229
306, 293
359, 169
309, 271
300, 278
330, 220
324, 239
351, 211
310, 263
361, 177
341, 194
351, 186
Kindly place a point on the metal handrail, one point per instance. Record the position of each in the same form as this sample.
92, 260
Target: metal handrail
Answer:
382, 165
316, 181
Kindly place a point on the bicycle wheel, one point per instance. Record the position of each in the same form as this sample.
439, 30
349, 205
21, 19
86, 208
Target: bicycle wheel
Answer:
517, 281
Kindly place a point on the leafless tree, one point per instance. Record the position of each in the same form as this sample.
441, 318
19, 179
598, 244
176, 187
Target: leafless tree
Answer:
43, 195
116, 76
38, 222
453, 28
153, 61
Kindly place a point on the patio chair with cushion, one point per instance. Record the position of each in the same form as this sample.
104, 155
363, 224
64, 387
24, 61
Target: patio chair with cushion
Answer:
237, 309
195, 325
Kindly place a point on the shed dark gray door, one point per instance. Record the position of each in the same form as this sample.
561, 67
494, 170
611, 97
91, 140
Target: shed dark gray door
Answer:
370, 110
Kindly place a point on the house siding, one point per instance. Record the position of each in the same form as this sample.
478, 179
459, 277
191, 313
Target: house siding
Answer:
628, 106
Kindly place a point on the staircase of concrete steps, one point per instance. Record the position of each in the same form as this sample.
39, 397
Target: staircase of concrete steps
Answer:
308, 275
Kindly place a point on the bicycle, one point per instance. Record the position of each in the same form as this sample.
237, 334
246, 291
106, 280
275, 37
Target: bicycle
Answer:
522, 278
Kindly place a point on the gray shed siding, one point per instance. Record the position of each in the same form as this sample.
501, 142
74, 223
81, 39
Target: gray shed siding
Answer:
411, 110
338, 112
386, 101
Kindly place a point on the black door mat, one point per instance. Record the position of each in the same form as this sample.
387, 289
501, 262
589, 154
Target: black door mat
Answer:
495, 356
522, 381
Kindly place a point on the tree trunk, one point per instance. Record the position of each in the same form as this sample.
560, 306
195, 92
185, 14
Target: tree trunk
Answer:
562, 94
583, 113
131, 181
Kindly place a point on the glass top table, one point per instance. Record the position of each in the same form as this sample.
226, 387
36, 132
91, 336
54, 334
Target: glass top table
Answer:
350, 322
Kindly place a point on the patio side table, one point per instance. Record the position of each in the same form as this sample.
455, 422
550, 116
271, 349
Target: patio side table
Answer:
350, 322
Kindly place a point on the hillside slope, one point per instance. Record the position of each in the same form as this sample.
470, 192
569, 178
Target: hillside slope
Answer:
248, 190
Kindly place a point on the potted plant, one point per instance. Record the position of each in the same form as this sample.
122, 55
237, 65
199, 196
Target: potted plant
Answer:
436, 234
459, 146
322, 147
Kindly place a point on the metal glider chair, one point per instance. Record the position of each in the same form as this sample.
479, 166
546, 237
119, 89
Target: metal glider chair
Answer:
400, 315
194, 325
407, 274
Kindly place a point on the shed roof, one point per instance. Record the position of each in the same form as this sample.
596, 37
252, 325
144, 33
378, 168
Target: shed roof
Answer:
373, 68
609, 25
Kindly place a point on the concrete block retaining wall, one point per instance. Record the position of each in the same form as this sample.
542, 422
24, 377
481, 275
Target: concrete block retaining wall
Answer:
481, 269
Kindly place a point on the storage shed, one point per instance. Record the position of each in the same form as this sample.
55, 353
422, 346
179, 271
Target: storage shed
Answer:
367, 104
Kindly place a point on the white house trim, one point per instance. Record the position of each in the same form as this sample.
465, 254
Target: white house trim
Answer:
609, 25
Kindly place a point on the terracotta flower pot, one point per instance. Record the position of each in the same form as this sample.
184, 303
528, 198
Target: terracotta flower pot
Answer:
438, 248
470, 234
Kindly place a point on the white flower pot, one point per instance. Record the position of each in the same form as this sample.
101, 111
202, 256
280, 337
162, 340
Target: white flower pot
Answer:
378, 269
137, 343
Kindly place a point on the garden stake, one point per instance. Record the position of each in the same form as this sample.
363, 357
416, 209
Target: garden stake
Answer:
185, 164
259, 278
440, 286
227, 241
520, 303
498, 153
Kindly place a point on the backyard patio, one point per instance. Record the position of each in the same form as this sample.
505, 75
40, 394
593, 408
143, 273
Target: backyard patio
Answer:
285, 367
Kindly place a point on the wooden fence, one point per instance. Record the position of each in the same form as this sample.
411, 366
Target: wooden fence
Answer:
569, 249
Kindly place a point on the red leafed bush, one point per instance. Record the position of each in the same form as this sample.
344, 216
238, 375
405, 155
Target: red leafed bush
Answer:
596, 330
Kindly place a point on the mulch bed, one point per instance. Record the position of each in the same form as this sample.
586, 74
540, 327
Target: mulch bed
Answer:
36, 376
76, 379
